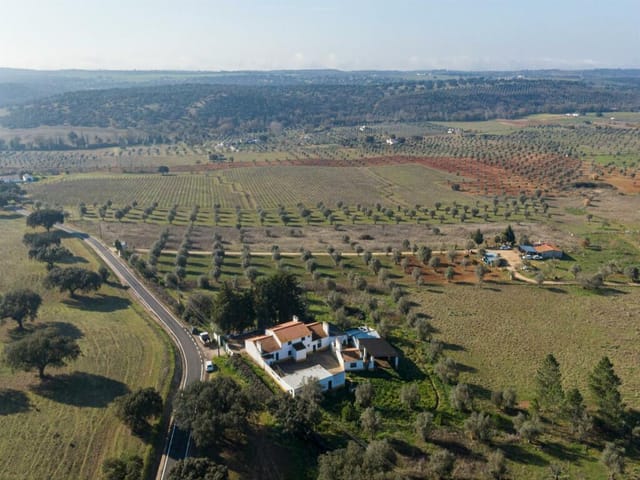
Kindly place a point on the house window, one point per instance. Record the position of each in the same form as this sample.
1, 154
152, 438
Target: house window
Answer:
353, 365
289, 342
290, 353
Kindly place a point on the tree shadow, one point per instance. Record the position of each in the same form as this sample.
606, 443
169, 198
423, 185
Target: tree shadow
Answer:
453, 446
504, 424
491, 289
561, 452
73, 260
479, 391
556, 290
62, 234
81, 389
466, 368
453, 347
518, 454
99, 303
610, 292
10, 216
66, 329
406, 449
62, 328
13, 401
408, 370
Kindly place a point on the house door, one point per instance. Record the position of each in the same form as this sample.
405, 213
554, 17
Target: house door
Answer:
330, 384
314, 348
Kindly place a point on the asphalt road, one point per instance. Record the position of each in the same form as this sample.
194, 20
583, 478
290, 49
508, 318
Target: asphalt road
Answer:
178, 441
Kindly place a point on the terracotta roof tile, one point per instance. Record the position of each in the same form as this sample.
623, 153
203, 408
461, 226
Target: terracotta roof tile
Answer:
317, 331
267, 343
546, 248
351, 354
290, 331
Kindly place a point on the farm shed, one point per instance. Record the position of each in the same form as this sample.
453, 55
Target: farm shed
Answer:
546, 250
527, 249
378, 349
492, 258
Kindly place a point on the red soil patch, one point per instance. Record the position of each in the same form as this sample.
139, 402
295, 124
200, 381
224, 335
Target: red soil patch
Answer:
624, 184
623, 181
476, 176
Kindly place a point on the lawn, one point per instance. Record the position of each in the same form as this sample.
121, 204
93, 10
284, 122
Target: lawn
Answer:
66, 427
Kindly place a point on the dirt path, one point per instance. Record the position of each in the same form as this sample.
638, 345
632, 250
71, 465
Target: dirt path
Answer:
283, 254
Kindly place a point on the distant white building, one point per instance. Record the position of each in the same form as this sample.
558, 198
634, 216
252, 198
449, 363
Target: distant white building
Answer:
24, 178
392, 141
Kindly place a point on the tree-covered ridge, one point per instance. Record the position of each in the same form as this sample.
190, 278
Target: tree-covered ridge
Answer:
204, 108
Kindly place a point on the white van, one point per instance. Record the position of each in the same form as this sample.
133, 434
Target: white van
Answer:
209, 366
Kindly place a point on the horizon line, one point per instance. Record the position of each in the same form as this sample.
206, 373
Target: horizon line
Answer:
321, 69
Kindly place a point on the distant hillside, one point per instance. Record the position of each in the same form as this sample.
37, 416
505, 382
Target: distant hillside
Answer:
195, 106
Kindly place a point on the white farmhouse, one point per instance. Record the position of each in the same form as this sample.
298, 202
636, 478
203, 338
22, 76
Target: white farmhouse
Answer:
293, 352
291, 340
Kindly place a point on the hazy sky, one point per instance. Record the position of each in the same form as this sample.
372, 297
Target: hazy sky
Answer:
345, 34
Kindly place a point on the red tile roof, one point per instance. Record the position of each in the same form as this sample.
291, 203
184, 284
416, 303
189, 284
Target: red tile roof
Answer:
267, 343
545, 247
351, 354
289, 331
317, 330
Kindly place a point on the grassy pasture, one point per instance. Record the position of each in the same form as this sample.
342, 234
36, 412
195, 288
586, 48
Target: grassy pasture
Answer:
502, 332
69, 428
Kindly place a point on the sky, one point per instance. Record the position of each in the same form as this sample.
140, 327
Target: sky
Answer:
295, 34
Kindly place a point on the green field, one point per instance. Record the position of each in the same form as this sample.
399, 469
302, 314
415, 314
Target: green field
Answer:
68, 430
504, 332
501, 333
252, 187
